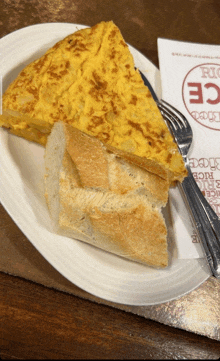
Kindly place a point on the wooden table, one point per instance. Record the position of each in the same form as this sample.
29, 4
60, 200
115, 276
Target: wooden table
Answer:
41, 323
42, 315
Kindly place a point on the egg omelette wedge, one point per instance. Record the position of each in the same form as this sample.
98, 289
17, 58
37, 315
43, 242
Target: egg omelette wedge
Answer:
89, 81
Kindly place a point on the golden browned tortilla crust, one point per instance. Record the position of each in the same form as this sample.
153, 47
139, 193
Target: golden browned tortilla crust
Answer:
89, 81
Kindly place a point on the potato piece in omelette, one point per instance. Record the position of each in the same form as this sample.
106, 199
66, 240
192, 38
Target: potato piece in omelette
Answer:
89, 80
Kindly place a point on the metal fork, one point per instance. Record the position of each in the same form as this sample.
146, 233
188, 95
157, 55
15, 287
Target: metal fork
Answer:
205, 220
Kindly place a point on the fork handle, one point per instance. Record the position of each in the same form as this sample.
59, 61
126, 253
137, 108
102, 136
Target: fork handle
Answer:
212, 216
205, 221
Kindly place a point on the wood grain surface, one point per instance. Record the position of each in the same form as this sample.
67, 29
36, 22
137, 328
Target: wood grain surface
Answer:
41, 323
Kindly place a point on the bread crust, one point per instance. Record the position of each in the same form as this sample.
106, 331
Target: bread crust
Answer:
123, 219
100, 169
88, 157
143, 162
138, 233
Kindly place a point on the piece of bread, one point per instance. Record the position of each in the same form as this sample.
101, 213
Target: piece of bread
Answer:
96, 197
89, 80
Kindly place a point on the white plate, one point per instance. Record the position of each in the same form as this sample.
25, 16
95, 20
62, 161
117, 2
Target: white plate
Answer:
22, 194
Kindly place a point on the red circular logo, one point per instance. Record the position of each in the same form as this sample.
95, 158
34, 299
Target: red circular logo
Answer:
201, 94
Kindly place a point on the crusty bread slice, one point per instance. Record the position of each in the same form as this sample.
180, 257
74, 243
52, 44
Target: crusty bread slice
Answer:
132, 228
124, 219
99, 169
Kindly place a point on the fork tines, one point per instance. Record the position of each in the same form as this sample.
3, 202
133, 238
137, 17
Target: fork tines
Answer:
174, 116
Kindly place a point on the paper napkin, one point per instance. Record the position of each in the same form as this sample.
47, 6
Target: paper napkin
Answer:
190, 80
